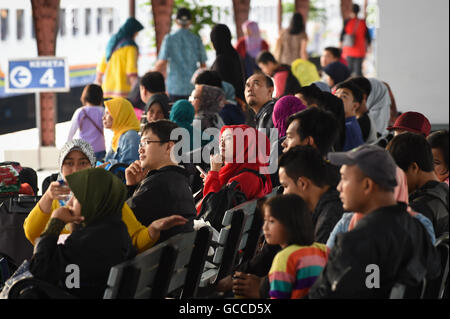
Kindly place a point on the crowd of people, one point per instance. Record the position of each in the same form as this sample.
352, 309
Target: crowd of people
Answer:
360, 183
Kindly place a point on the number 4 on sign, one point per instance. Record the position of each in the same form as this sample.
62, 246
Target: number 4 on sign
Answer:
48, 78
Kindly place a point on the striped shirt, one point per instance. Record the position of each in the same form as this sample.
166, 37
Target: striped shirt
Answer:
295, 269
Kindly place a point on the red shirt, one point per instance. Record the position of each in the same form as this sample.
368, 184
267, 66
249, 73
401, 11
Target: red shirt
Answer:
359, 49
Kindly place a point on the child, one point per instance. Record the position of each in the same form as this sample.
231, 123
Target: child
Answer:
288, 223
439, 146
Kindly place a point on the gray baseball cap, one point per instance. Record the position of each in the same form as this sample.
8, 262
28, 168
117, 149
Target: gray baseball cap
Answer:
374, 161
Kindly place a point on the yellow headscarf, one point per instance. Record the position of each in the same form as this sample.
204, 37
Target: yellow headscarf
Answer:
124, 118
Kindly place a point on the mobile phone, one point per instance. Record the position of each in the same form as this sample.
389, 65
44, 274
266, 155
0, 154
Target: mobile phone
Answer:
201, 170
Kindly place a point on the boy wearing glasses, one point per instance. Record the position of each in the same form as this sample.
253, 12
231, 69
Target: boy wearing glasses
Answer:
158, 187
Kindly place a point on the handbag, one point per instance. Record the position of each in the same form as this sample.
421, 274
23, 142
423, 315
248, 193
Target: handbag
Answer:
349, 39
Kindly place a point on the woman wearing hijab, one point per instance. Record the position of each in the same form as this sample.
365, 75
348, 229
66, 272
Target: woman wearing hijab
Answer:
119, 63
349, 220
379, 105
244, 157
120, 118
250, 45
100, 239
77, 155
285, 107
208, 101
182, 113
228, 62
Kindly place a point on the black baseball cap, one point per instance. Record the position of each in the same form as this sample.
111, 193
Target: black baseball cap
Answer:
184, 14
374, 161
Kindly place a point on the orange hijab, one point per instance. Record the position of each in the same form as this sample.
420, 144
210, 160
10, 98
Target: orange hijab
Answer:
400, 193
124, 118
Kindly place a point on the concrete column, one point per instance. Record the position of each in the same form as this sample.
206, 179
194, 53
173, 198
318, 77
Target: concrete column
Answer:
302, 6
162, 14
46, 17
241, 10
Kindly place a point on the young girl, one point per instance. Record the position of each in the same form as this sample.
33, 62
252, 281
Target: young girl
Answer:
288, 223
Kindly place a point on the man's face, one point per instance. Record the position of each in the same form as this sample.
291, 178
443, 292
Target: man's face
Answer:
152, 152
326, 58
256, 91
350, 188
289, 185
350, 105
292, 138
267, 68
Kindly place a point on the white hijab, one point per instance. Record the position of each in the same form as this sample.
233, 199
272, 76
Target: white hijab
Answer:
379, 105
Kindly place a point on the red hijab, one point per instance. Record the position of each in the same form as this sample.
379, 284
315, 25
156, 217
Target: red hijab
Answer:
248, 153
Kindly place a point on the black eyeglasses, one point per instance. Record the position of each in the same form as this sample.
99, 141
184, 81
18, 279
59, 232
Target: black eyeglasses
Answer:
146, 142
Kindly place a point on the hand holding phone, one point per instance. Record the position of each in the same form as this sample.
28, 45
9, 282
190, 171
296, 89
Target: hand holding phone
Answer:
201, 170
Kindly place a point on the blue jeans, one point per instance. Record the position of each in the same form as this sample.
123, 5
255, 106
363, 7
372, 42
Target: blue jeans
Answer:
355, 65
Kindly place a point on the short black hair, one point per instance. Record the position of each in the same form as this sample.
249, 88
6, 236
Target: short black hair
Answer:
161, 128
336, 52
209, 77
319, 124
407, 148
293, 213
269, 81
330, 102
355, 8
93, 94
305, 161
153, 82
265, 57
363, 83
311, 94
439, 140
356, 90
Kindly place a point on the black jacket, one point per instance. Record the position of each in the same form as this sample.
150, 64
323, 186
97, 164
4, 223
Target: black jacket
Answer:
388, 238
94, 249
432, 201
264, 117
326, 215
164, 192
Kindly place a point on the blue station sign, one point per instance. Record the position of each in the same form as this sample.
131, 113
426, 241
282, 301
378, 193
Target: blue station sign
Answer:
40, 74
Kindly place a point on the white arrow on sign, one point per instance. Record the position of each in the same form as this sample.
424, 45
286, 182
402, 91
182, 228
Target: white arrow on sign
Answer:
20, 77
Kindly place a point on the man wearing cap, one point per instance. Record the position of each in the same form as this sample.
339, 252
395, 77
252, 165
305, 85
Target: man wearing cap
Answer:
387, 246
181, 50
413, 122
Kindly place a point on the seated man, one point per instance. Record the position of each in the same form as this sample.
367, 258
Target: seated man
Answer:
157, 185
427, 195
351, 96
285, 82
330, 55
387, 245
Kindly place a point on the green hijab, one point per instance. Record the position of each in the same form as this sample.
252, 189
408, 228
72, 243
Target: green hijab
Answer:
100, 193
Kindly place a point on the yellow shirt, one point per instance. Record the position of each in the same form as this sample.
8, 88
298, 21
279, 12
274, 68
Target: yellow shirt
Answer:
121, 65
36, 221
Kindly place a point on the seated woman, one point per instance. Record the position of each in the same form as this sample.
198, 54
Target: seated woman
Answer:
77, 155
182, 114
244, 157
99, 241
121, 119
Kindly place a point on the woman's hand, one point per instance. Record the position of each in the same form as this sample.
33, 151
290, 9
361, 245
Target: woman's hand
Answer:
246, 285
56, 191
66, 215
216, 162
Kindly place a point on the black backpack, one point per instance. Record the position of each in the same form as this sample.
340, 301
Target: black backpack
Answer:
214, 205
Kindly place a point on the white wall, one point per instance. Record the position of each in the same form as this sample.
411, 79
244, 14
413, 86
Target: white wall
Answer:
413, 55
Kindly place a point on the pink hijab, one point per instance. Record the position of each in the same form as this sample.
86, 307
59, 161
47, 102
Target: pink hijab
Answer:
400, 193
253, 42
